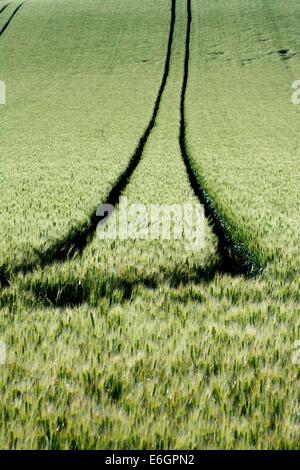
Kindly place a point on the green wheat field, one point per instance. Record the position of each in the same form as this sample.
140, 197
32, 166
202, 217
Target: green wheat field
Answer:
142, 344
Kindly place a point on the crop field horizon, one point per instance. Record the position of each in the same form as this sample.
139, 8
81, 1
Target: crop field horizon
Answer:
177, 326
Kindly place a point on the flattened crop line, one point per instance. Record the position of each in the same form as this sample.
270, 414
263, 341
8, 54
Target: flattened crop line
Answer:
10, 19
122, 181
78, 238
236, 256
3, 8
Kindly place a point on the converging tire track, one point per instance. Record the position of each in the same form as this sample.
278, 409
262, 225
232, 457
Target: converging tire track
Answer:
236, 257
77, 241
10, 18
78, 238
123, 179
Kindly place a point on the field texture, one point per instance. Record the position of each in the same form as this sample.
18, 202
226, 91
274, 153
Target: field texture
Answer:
78, 100
141, 343
247, 55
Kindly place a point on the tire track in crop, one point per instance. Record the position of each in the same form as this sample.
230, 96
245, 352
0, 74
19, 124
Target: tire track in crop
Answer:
77, 241
236, 257
10, 19
3, 8
124, 178
79, 237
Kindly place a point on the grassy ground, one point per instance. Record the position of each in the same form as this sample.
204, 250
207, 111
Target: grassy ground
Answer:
142, 344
